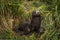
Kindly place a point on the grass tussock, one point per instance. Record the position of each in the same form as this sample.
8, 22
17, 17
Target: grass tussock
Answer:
15, 12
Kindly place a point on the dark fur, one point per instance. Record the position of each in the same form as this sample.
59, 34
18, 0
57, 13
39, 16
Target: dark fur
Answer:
32, 27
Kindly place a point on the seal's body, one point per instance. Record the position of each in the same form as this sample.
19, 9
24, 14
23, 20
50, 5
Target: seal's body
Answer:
33, 26
35, 21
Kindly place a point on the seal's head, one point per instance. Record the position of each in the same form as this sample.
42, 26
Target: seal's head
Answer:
36, 13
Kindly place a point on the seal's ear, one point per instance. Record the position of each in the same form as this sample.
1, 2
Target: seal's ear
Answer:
42, 17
